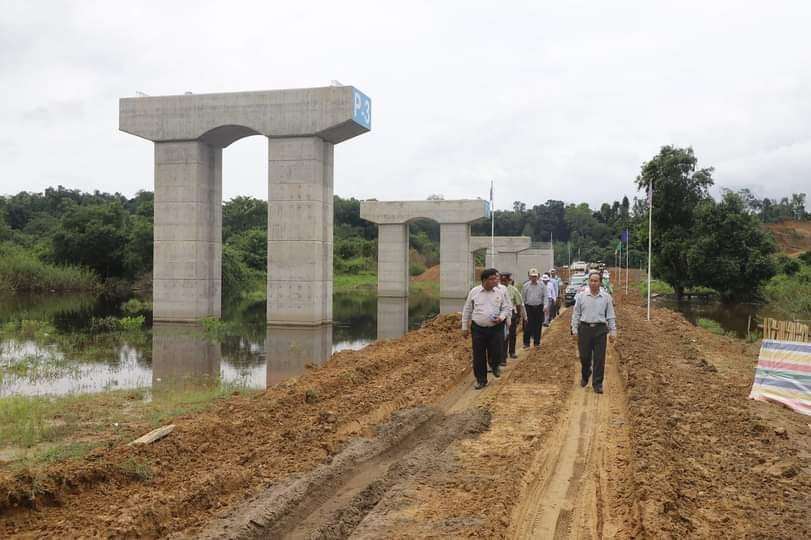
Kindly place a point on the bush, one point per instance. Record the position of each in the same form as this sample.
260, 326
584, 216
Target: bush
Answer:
791, 295
130, 324
415, 268
21, 271
787, 265
134, 306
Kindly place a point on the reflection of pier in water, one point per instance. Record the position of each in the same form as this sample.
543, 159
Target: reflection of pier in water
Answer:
182, 357
290, 349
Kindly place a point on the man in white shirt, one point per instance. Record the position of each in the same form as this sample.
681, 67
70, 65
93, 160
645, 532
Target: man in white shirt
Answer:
483, 317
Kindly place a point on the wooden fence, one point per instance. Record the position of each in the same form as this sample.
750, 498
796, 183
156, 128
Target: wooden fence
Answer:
785, 330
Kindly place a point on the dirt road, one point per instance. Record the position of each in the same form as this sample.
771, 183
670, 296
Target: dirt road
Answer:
393, 441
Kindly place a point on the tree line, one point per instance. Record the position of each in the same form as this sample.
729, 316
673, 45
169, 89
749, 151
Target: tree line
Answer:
697, 241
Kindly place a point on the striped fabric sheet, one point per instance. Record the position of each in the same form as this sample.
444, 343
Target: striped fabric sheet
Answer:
783, 374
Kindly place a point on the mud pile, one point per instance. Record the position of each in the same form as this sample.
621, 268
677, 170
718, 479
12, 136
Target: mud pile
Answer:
708, 462
237, 448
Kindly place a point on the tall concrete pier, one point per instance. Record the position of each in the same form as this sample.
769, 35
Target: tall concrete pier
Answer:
189, 132
455, 258
505, 258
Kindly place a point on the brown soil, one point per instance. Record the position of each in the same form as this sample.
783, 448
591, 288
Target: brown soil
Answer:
236, 449
392, 441
708, 462
431, 274
793, 237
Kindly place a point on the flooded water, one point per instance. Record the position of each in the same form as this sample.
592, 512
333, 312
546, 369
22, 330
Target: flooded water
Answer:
79, 344
734, 318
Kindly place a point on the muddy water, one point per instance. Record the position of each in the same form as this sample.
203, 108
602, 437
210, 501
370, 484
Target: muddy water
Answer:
78, 344
733, 318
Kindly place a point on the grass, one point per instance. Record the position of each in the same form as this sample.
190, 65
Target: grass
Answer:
657, 287
714, 327
354, 282
21, 271
430, 288
44, 429
662, 288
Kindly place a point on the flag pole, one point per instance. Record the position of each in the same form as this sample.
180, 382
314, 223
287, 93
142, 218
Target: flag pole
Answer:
650, 240
627, 259
492, 229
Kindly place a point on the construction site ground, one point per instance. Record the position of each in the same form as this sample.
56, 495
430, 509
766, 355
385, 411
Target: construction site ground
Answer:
392, 441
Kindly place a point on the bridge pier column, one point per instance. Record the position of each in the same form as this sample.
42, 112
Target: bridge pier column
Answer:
392, 260
455, 260
188, 231
300, 211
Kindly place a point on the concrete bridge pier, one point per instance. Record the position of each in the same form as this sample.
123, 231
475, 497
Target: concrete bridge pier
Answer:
187, 266
506, 256
392, 260
189, 131
455, 258
300, 187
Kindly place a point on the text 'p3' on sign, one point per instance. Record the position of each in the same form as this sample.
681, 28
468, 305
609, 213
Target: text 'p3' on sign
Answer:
362, 109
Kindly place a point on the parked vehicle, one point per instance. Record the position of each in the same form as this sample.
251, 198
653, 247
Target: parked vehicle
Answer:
576, 284
579, 267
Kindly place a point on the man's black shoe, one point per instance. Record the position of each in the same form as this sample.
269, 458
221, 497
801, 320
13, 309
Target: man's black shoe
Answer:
513, 355
496, 372
583, 382
503, 363
480, 385
598, 389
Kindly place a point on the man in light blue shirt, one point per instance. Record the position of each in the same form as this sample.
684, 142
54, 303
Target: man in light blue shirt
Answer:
593, 320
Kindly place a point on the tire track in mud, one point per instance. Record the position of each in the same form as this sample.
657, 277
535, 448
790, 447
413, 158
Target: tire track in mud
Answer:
333, 499
576, 486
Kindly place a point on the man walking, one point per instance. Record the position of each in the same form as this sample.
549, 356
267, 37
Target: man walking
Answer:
517, 302
592, 320
483, 316
536, 305
551, 291
559, 286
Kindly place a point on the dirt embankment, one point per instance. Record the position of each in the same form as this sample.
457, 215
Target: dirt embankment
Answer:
708, 462
431, 274
240, 447
792, 237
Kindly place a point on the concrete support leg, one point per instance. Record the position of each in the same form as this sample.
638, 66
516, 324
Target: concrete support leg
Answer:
392, 317
300, 186
454, 259
188, 231
392, 260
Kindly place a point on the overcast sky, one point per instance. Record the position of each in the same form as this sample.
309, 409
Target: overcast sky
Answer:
552, 100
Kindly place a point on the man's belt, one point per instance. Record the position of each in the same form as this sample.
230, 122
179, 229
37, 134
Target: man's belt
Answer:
592, 324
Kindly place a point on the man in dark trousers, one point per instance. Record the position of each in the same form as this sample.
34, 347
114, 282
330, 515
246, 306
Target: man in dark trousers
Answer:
592, 320
486, 309
536, 304
517, 302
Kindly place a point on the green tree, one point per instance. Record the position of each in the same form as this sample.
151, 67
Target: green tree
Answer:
729, 251
243, 213
678, 188
93, 236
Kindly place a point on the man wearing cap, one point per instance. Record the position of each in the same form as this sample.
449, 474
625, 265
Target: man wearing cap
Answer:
536, 306
483, 316
517, 302
592, 320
